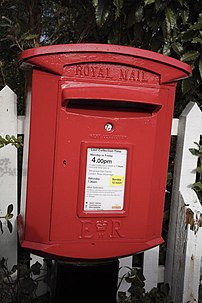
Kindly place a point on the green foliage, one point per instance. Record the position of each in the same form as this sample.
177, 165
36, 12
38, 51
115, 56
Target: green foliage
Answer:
137, 293
197, 186
17, 142
20, 283
7, 219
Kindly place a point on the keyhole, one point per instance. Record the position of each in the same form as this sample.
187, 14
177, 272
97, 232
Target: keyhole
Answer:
108, 127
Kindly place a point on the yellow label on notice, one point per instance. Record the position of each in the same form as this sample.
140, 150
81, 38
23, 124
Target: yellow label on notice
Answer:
116, 180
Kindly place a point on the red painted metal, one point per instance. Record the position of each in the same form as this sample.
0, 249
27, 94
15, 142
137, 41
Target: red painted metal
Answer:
76, 91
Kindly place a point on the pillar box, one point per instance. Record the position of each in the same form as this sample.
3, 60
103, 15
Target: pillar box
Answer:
98, 126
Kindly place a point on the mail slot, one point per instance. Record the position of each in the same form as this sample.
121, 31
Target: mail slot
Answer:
97, 138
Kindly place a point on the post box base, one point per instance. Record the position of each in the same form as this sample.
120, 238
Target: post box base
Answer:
89, 251
86, 283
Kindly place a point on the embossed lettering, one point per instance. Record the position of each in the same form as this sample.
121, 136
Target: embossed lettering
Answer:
143, 77
111, 72
123, 74
134, 75
78, 70
86, 70
100, 73
116, 226
108, 73
101, 227
95, 136
86, 229
93, 69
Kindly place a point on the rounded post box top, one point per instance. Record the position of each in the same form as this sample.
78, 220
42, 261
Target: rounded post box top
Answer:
53, 58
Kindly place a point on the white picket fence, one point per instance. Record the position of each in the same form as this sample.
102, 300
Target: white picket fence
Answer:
184, 246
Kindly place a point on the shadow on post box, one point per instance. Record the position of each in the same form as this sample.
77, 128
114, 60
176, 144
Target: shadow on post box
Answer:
97, 138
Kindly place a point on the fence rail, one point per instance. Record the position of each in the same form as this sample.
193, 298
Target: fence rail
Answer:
184, 245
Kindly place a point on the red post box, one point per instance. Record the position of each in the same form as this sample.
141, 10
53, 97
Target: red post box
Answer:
96, 149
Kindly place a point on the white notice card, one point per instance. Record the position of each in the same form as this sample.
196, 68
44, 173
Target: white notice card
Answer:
105, 179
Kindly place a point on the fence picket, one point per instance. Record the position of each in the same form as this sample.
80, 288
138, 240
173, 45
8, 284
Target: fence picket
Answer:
184, 245
8, 174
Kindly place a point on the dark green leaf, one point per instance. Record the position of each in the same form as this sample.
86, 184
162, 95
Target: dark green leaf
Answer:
35, 268
118, 4
199, 170
189, 56
197, 144
8, 216
188, 35
196, 40
139, 14
7, 137
10, 209
10, 226
147, 2
14, 268
1, 227
185, 16
31, 37
177, 47
196, 26
170, 20
197, 186
194, 151
166, 49
102, 10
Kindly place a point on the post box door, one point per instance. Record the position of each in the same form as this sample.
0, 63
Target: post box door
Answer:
135, 133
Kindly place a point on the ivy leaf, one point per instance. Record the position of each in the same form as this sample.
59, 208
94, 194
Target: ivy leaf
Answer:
177, 47
196, 26
170, 20
166, 49
10, 209
185, 16
118, 4
194, 151
197, 144
35, 268
7, 137
196, 40
188, 35
199, 170
147, 2
197, 186
189, 56
10, 226
31, 37
9, 216
139, 14
102, 10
